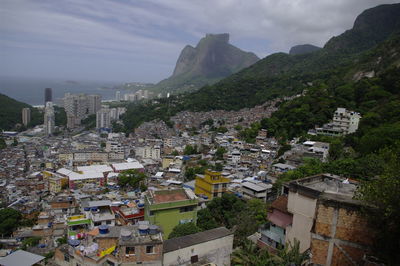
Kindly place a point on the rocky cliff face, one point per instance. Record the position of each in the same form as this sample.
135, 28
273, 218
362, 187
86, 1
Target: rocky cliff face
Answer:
211, 60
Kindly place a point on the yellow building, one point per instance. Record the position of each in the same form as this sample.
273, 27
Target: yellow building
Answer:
211, 184
56, 182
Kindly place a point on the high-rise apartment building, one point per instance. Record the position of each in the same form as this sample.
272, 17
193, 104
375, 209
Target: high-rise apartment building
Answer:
48, 95
103, 119
94, 103
49, 118
79, 106
26, 116
118, 96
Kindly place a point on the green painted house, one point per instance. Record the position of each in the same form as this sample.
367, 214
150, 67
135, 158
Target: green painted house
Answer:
168, 208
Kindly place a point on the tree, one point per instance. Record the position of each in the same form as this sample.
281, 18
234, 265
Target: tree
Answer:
382, 198
30, 242
2, 144
9, 221
238, 127
189, 150
218, 167
249, 254
335, 149
249, 220
15, 142
205, 220
133, 178
183, 230
219, 154
62, 240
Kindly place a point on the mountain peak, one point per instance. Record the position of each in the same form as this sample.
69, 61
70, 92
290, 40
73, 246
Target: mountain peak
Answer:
370, 28
212, 59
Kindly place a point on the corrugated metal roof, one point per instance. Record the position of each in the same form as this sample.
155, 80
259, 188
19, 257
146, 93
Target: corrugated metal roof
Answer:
21, 258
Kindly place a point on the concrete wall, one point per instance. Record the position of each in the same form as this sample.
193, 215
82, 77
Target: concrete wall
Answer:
303, 210
217, 251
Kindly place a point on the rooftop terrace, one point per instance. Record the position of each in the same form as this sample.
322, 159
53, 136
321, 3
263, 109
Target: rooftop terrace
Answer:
317, 185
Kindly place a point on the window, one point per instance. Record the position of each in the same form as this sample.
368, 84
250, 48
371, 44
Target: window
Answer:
215, 194
194, 259
223, 185
66, 257
130, 250
149, 249
97, 223
151, 213
186, 209
108, 222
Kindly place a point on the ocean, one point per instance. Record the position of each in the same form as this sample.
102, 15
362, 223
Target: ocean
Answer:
31, 91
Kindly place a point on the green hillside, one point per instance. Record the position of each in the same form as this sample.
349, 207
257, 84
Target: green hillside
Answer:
11, 112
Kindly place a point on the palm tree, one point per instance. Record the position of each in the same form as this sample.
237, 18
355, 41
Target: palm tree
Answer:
291, 254
250, 254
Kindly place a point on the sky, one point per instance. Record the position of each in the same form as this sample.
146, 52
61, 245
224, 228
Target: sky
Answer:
140, 40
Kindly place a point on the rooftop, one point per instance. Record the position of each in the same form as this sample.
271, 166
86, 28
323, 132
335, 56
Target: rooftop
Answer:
317, 185
21, 258
193, 239
169, 195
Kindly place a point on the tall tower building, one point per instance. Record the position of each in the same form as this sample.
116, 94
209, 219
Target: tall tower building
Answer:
49, 119
103, 118
77, 107
26, 116
118, 96
94, 103
48, 95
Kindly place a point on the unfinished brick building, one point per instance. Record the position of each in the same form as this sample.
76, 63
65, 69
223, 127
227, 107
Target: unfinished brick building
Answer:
327, 220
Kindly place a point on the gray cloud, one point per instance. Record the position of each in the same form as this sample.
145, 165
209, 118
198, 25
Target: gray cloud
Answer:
147, 36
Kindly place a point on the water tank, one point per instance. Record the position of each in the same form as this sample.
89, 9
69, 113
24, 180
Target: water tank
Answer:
153, 229
74, 242
126, 235
140, 205
86, 209
143, 229
103, 229
94, 209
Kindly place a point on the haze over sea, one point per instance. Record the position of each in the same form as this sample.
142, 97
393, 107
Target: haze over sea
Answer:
31, 90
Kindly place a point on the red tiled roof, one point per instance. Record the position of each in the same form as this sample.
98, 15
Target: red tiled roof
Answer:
280, 219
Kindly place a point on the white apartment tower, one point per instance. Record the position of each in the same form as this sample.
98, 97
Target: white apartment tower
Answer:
118, 96
49, 119
346, 120
26, 116
103, 119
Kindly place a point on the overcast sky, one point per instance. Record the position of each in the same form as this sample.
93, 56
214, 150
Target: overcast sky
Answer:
141, 40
